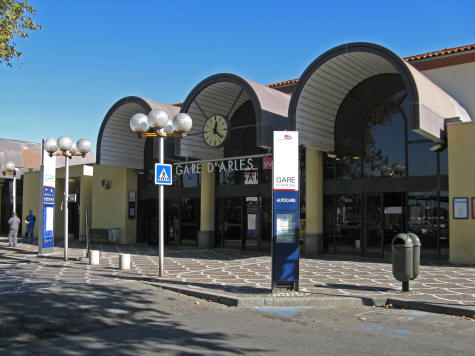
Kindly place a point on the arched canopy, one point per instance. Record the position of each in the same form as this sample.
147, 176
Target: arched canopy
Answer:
223, 94
326, 82
117, 145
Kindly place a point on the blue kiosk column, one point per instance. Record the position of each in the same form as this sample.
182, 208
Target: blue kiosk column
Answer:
285, 197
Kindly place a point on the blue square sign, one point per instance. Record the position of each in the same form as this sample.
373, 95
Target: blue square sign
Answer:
163, 174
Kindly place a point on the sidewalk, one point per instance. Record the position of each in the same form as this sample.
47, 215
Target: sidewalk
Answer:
235, 277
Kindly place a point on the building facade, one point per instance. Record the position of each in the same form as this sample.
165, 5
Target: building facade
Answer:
384, 148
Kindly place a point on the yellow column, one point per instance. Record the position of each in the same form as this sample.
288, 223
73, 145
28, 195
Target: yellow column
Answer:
461, 173
313, 239
206, 233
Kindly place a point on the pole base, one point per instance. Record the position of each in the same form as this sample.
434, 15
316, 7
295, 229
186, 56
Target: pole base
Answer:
405, 286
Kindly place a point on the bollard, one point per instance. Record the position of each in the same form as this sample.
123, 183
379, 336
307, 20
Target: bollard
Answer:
94, 257
124, 261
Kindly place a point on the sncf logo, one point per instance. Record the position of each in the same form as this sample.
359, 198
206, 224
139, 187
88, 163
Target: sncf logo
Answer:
287, 137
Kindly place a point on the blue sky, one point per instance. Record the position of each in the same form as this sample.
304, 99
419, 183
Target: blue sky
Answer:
90, 54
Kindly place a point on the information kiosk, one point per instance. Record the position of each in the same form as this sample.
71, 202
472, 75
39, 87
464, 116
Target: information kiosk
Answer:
285, 196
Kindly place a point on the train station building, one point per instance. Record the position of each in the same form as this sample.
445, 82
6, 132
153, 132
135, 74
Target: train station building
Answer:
385, 147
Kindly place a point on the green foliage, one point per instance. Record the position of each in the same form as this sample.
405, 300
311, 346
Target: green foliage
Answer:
15, 21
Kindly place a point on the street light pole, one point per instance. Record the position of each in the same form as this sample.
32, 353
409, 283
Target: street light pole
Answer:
68, 149
66, 194
14, 193
157, 124
161, 209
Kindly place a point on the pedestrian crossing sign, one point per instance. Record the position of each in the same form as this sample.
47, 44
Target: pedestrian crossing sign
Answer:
163, 174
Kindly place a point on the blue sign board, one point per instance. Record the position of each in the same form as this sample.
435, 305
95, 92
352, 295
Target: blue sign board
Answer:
285, 199
163, 174
47, 239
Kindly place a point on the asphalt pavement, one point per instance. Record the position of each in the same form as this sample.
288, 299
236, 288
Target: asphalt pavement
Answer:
50, 306
235, 277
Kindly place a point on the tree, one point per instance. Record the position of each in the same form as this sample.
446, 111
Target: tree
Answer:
15, 21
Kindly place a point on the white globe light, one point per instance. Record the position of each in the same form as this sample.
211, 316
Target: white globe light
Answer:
51, 145
139, 123
157, 118
73, 149
182, 122
83, 145
169, 127
10, 166
65, 143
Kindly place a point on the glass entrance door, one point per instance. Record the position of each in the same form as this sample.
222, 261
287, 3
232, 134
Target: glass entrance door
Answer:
348, 224
373, 225
229, 215
394, 217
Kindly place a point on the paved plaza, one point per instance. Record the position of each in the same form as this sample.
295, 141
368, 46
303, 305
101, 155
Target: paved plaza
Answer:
234, 273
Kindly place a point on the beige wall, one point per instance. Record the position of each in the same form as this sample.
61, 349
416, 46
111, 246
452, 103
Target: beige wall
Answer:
131, 224
85, 204
461, 140
59, 207
31, 198
314, 191
459, 82
110, 206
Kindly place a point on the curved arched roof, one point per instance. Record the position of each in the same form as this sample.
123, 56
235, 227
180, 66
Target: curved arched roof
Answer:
223, 94
117, 145
326, 82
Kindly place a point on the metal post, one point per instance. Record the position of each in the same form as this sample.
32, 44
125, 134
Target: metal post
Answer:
14, 192
161, 212
405, 286
66, 193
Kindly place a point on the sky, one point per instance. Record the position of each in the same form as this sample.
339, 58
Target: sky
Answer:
91, 53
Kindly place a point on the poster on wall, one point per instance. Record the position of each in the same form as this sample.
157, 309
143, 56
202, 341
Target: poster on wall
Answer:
460, 208
46, 208
252, 209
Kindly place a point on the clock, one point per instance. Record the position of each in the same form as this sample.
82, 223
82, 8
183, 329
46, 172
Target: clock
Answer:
216, 130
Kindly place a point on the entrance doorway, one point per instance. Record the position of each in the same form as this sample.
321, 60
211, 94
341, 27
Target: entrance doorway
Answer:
230, 222
384, 217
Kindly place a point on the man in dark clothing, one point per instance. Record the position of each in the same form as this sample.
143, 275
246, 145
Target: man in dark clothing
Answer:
13, 224
30, 226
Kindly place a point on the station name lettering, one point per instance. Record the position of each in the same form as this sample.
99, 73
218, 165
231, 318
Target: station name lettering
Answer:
245, 164
285, 179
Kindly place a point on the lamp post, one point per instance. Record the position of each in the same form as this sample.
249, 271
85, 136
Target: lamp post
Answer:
68, 149
9, 168
157, 124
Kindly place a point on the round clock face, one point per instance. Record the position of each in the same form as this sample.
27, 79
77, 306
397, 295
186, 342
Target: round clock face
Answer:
216, 130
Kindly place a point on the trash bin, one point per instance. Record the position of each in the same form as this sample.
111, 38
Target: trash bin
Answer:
416, 254
403, 259
113, 234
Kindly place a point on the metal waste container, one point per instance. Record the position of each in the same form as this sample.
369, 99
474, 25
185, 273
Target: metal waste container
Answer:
403, 259
416, 242
114, 234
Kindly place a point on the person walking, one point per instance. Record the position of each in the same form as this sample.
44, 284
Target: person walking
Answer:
30, 226
13, 224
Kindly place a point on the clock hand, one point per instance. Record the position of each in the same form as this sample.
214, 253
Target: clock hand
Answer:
217, 132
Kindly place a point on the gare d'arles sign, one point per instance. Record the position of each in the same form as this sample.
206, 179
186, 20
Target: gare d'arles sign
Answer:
227, 165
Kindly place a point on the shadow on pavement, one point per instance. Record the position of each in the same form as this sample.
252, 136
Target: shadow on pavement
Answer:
102, 319
354, 287
205, 286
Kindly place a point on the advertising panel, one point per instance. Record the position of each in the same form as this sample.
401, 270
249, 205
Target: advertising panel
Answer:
285, 198
46, 209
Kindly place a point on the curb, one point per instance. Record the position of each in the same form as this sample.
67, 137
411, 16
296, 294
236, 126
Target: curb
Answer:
272, 300
457, 310
319, 301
